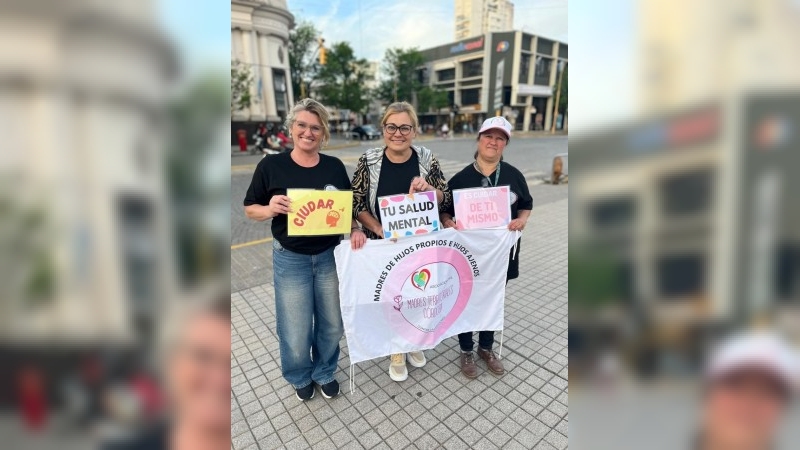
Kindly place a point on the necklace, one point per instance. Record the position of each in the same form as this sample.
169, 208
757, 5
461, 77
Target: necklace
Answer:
487, 182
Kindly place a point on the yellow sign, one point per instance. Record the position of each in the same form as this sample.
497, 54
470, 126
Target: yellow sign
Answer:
320, 213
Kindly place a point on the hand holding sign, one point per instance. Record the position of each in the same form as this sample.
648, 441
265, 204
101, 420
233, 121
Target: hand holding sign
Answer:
280, 204
418, 184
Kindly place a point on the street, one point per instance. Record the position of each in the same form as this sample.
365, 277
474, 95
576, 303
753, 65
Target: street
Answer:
436, 407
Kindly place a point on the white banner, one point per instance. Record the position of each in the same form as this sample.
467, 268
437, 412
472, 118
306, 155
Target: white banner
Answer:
409, 295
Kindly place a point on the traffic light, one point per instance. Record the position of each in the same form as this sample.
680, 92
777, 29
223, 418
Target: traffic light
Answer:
322, 55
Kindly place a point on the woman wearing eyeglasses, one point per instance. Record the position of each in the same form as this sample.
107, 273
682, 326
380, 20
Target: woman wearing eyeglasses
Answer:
309, 321
490, 170
397, 167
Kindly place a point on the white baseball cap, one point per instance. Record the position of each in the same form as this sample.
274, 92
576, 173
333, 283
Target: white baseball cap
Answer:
756, 350
499, 123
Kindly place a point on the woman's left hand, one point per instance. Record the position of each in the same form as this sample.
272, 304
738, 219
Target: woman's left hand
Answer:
418, 184
517, 225
357, 239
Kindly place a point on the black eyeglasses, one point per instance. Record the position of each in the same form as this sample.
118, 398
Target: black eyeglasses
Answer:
392, 128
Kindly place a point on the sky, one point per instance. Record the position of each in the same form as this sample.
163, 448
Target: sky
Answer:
372, 26
201, 31
602, 62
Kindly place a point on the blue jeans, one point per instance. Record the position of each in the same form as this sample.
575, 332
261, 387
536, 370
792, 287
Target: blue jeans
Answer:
308, 315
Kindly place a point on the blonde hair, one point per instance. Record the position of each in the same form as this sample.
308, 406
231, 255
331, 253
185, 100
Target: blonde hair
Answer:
400, 107
314, 107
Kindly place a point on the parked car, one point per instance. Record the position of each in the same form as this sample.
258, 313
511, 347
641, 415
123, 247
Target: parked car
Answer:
367, 132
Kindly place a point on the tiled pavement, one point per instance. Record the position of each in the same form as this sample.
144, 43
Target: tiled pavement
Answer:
436, 407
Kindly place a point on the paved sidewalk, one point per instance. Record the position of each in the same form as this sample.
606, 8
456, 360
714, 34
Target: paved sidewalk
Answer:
436, 407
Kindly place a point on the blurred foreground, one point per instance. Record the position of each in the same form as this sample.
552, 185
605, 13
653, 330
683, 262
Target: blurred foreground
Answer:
113, 209
684, 223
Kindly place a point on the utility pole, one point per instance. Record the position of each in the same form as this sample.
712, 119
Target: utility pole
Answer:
558, 99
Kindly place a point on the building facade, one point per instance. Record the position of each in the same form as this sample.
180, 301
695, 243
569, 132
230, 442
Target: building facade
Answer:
691, 52
691, 216
511, 73
477, 17
260, 41
97, 178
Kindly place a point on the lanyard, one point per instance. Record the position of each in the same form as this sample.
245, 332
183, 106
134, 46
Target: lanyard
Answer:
488, 180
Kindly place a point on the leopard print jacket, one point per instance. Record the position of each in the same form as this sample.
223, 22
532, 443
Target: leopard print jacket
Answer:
368, 172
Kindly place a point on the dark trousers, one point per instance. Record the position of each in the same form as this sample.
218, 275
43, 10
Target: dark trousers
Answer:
485, 340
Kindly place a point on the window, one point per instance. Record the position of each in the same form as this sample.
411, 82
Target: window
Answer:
524, 68
279, 84
527, 40
681, 275
613, 212
470, 96
544, 46
687, 193
542, 75
473, 68
562, 51
445, 75
422, 76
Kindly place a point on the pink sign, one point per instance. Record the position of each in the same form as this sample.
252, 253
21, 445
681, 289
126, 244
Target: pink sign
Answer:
482, 207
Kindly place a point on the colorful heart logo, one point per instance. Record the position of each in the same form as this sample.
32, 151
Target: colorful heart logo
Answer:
421, 278
428, 316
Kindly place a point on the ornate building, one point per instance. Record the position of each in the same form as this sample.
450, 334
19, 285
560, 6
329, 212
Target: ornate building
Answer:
260, 40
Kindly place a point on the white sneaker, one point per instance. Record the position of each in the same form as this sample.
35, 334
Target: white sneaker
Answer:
397, 367
417, 359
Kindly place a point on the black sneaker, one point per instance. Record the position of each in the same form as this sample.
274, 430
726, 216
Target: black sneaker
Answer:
330, 390
306, 393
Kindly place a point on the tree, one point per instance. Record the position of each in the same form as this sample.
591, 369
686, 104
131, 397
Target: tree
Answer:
195, 183
241, 82
303, 65
342, 79
428, 98
400, 66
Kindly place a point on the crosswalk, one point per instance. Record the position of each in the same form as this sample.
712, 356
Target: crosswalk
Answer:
452, 167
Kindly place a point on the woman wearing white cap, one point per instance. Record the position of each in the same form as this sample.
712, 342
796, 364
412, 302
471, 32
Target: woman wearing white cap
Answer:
748, 387
490, 170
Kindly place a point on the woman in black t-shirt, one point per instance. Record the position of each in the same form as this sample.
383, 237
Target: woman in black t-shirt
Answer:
397, 167
489, 170
306, 285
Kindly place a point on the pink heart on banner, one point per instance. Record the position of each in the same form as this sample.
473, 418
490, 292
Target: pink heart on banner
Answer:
432, 288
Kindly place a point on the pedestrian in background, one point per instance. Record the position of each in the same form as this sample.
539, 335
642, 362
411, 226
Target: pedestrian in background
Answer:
489, 170
749, 385
397, 167
195, 353
309, 321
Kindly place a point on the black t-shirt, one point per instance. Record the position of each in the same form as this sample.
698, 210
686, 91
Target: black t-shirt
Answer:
276, 173
469, 177
396, 178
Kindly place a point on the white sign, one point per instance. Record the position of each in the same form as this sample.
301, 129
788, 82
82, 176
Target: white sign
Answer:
410, 294
408, 214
